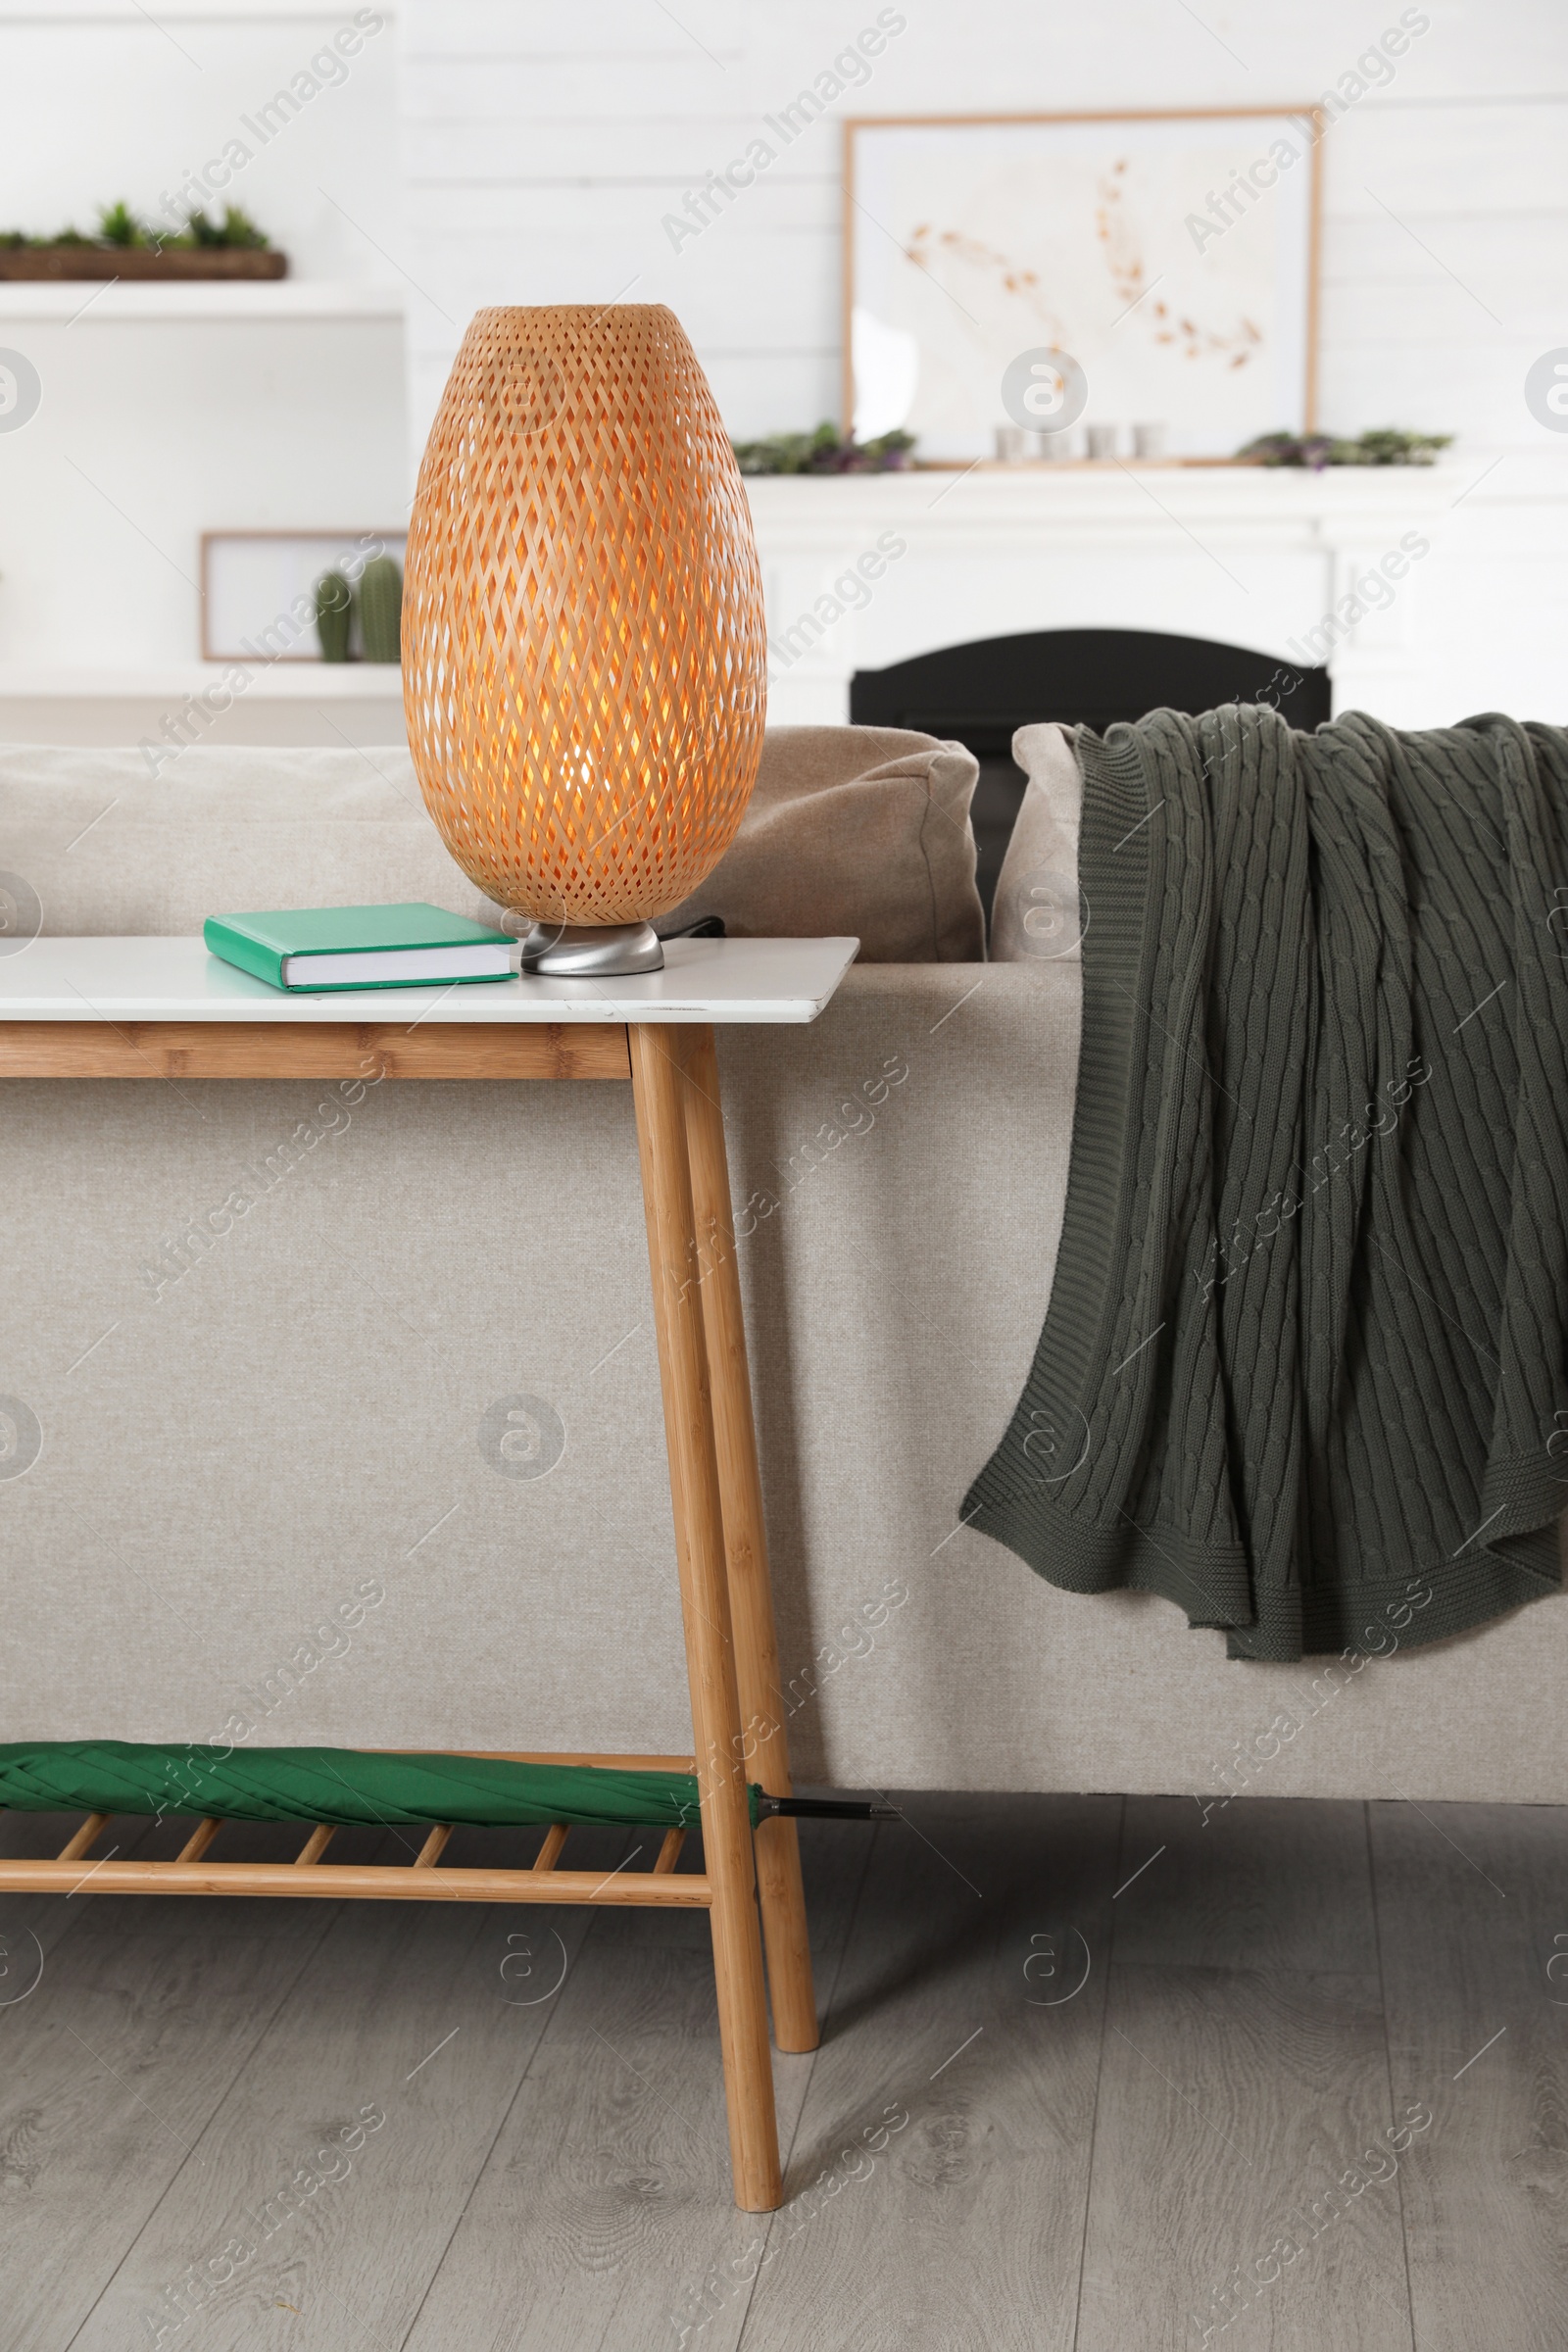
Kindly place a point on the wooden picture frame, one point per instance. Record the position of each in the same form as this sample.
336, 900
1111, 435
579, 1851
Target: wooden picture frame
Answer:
223, 643
1296, 229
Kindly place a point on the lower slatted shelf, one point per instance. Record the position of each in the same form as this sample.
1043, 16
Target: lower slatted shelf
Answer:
192, 1872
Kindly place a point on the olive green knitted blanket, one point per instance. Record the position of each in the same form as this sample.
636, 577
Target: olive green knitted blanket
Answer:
1303, 1367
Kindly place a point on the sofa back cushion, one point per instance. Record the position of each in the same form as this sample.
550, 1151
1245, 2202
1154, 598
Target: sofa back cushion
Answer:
108, 850
1037, 917
861, 830
853, 831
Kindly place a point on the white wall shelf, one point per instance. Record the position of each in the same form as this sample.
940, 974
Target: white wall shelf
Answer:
102, 302
277, 682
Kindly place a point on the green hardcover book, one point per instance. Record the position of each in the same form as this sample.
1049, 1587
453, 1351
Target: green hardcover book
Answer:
316, 948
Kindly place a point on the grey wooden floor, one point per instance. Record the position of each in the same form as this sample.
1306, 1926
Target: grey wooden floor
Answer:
1094, 2075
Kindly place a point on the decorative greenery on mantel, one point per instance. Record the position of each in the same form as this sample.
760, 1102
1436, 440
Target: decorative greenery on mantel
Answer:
1387, 446
826, 451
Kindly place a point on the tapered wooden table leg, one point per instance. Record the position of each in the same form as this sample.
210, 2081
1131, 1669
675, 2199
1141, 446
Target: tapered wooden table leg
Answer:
657, 1087
751, 1595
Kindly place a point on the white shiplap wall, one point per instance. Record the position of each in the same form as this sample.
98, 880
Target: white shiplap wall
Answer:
168, 413
113, 100
542, 145
507, 151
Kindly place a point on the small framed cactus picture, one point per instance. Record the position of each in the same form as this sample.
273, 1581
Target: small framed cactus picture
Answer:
303, 596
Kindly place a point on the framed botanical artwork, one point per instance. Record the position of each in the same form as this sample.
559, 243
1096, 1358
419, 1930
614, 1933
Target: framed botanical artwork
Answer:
1167, 264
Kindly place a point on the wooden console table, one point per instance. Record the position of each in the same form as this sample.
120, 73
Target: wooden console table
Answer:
165, 1008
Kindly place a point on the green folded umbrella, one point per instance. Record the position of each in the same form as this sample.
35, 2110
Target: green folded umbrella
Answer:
347, 1784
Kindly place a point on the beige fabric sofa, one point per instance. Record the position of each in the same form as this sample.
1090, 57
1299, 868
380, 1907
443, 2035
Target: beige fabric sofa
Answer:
262, 1494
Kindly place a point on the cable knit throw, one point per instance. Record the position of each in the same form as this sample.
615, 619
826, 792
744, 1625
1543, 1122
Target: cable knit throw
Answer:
1303, 1369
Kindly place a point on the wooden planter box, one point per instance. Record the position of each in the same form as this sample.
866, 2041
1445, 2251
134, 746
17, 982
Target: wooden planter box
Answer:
128, 262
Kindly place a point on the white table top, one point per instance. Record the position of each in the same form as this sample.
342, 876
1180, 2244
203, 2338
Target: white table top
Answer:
718, 980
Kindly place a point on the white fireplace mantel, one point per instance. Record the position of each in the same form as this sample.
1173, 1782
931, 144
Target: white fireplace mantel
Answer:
1253, 557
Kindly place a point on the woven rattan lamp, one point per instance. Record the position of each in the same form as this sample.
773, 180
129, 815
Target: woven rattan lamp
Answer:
584, 657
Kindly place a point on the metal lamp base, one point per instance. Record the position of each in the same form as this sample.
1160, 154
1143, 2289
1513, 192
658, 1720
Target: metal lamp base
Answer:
592, 950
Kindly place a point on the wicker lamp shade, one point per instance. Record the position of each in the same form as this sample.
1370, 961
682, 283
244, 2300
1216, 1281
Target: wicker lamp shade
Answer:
584, 652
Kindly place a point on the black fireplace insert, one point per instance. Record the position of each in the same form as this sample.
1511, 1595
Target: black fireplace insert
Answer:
979, 694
